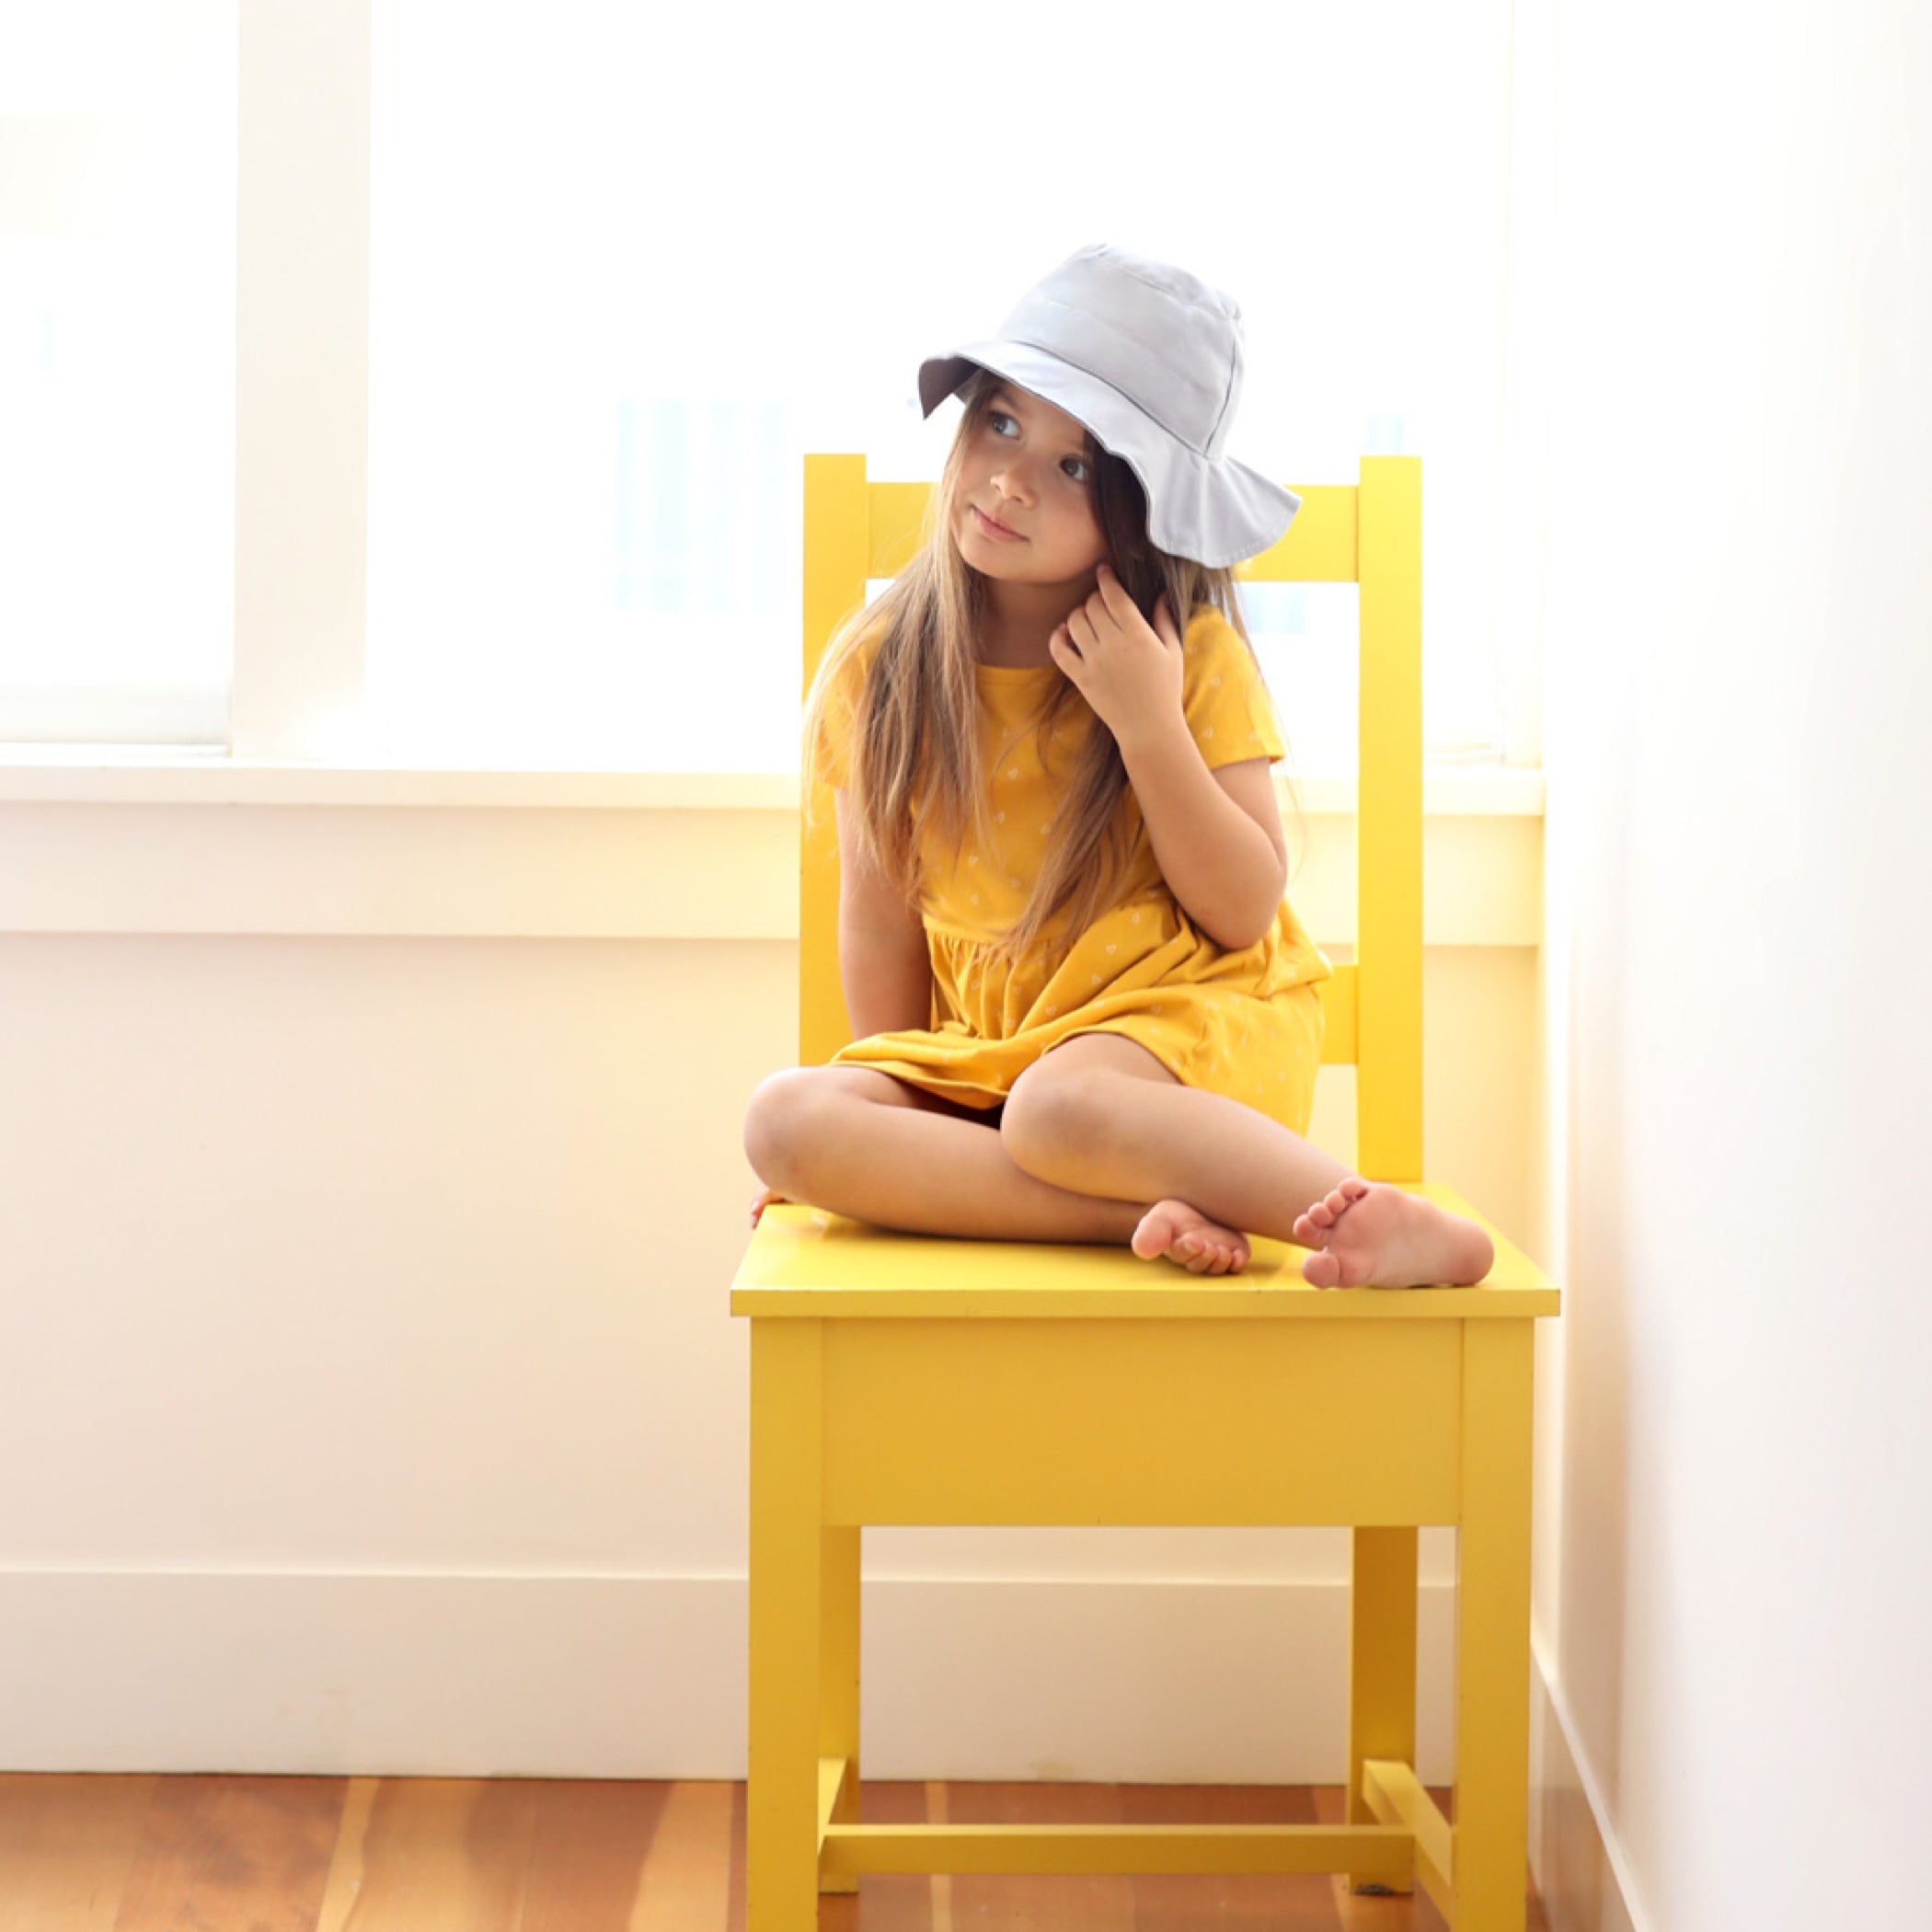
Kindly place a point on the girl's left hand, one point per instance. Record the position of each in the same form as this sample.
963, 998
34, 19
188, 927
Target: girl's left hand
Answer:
1128, 670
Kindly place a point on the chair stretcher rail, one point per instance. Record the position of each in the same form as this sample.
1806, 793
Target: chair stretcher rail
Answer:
1375, 1852
1393, 1792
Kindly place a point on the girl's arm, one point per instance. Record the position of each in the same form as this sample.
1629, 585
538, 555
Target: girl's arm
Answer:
884, 964
1216, 834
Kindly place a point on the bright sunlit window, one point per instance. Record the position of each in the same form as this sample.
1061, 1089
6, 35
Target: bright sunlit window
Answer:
116, 370
630, 266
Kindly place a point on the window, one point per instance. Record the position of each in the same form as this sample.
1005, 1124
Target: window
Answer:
116, 371
631, 267
627, 267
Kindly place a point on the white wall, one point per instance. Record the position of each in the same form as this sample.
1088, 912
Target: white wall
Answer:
369, 1193
1739, 687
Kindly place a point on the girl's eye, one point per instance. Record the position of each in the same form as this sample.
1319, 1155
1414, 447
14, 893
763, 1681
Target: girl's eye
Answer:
999, 422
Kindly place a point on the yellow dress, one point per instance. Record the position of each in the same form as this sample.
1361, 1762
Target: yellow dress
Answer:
1246, 1024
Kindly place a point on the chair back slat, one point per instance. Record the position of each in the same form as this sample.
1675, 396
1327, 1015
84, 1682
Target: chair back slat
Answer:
1369, 534
1389, 824
837, 533
1321, 545
1339, 1036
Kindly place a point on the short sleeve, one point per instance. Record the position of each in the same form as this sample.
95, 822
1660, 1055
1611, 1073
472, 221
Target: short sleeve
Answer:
831, 748
1226, 703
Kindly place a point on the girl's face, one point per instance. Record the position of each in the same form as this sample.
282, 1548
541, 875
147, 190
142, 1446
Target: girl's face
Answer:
1025, 512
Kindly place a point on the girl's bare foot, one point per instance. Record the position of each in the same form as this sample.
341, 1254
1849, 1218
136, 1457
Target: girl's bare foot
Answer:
1369, 1234
765, 1198
1182, 1234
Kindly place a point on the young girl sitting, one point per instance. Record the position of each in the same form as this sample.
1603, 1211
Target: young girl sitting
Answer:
1085, 1010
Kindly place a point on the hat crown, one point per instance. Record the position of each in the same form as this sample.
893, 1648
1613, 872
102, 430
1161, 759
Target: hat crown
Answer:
1168, 341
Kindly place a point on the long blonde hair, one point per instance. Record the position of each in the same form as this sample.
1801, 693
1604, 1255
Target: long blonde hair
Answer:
914, 751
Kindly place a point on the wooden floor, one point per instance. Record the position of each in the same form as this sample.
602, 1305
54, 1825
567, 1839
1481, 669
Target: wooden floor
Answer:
520, 1855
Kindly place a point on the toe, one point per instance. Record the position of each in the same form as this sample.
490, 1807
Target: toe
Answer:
1322, 1270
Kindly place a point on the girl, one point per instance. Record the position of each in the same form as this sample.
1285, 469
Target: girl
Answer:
1085, 1010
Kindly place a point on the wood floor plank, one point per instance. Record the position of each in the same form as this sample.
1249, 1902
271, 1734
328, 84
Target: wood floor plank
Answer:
734, 1902
1065, 1901
443, 1855
596, 1842
688, 1882
345, 1865
233, 1855
938, 1810
67, 1846
1284, 1902
98, 1854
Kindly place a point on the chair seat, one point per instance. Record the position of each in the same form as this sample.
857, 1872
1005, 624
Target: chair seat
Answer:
803, 1261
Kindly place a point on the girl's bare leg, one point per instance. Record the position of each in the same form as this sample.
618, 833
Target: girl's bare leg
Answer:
1100, 1115
860, 1143
1097, 1142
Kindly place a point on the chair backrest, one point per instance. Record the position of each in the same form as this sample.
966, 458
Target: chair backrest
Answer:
1368, 534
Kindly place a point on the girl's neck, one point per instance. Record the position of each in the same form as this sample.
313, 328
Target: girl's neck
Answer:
1019, 620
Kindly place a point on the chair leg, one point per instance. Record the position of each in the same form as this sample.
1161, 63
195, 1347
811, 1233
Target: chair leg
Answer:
838, 1671
1382, 1661
1492, 1652
787, 1549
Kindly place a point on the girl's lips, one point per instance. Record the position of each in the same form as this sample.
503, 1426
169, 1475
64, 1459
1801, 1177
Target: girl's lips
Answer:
993, 529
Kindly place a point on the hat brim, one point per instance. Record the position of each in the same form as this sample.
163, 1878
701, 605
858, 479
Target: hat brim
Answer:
1216, 510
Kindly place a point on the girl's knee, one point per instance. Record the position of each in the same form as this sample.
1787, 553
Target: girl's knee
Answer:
790, 1120
779, 1124
1057, 1120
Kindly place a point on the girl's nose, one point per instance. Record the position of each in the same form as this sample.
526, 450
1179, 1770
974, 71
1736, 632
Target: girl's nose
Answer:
1013, 479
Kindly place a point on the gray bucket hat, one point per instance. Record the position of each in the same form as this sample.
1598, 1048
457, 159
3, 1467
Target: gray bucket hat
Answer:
1148, 358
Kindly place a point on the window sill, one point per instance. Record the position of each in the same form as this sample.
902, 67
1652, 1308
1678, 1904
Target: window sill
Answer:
95, 842
131, 775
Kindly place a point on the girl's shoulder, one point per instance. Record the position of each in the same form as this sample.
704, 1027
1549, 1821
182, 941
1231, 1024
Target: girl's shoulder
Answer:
849, 654
1210, 642
836, 695
1222, 692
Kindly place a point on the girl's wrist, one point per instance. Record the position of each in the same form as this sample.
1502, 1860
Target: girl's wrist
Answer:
1159, 739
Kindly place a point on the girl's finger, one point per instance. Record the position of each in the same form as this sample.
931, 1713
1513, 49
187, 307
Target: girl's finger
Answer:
1165, 627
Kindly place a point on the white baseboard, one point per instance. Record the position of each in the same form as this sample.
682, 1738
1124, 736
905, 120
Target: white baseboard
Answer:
1582, 1875
562, 1676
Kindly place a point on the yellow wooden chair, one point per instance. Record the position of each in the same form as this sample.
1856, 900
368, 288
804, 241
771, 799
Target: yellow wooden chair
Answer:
909, 1380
